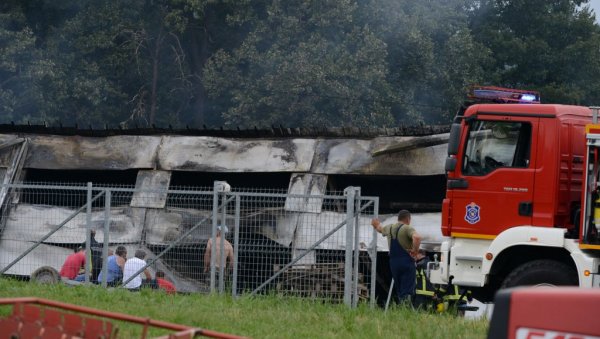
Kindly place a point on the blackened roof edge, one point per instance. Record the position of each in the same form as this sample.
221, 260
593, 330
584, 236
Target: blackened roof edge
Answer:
273, 132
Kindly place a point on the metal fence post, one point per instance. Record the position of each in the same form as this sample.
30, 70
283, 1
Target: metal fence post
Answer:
88, 229
236, 245
105, 240
356, 247
222, 257
349, 193
219, 187
213, 235
373, 255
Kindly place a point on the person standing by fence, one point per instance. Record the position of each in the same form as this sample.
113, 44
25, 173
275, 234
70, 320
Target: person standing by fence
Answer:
404, 243
227, 251
96, 256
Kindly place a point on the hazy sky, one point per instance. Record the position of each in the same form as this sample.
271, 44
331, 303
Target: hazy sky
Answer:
595, 5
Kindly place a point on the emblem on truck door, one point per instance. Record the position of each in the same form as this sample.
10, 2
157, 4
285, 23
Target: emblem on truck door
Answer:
472, 215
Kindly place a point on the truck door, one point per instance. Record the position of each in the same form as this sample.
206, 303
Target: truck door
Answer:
496, 175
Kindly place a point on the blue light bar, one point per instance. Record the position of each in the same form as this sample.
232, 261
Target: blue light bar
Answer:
503, 95
528, 97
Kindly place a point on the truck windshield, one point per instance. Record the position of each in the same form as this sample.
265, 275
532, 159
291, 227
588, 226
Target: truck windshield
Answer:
494, 144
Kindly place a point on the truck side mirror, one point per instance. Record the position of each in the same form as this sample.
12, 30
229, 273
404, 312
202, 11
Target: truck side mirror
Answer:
454, 139
450, 164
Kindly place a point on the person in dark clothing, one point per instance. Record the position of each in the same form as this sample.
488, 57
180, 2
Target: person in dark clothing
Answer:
425, 292
404, 243
96, 256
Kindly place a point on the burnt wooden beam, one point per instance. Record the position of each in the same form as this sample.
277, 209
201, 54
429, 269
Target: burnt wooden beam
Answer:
9, 143
407, 145
415, 206
241, 132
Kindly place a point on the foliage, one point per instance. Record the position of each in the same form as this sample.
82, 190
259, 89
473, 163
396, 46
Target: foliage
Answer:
116, 64
258, 317
21, 68
304, 65
431, 54
295, 63
550, 46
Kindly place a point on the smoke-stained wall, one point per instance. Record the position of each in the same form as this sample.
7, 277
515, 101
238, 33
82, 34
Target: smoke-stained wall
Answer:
216, 154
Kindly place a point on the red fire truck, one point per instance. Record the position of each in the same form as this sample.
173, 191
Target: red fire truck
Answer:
522, 191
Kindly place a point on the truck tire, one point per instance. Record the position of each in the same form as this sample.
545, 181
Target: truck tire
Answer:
541, 273
45, 275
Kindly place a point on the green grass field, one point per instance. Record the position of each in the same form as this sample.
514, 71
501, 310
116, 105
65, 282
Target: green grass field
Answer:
257, 317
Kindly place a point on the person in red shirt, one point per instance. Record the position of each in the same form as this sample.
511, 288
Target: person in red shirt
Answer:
73, 264
164, 284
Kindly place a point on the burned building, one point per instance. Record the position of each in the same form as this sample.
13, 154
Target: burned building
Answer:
402, 166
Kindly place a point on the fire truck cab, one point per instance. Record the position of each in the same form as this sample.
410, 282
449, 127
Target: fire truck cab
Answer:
513, 211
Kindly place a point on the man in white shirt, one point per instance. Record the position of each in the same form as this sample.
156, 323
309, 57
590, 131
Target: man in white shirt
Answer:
132, 265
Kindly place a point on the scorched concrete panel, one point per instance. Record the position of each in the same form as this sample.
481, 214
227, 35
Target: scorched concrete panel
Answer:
354, 156
32, 222
75, 152
210, 154
43, 255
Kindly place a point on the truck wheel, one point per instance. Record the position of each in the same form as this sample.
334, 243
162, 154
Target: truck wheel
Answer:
541, 273
45, 275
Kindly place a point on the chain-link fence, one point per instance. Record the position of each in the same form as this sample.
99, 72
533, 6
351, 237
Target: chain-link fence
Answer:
213, 239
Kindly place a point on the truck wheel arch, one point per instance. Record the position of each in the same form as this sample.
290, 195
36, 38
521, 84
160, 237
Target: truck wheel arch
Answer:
527, 243
541, 272
515, 257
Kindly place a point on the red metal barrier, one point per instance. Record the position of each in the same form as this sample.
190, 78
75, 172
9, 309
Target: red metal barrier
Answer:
43, 318
537, 312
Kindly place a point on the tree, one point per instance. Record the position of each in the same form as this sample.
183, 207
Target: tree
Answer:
304, 64
133, 63
22, 67
295, 63
551, 46
120, 61
432, 55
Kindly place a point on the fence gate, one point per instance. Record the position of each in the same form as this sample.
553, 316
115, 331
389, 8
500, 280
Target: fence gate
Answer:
315, 246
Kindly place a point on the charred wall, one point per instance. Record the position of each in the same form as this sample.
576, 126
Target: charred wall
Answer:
75, 198
415, 193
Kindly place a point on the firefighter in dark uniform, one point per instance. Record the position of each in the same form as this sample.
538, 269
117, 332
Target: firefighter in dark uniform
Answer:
436, 298
452, 297
404, 244
425, 292
96, 256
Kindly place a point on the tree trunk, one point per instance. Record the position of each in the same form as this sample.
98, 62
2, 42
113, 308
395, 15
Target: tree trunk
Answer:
155, 61
198, 52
